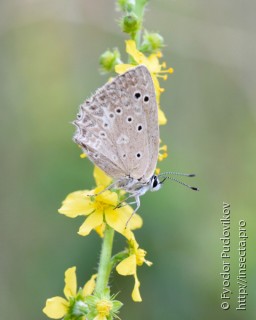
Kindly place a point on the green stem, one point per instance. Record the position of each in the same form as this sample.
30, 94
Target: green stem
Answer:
139, 11
105, 260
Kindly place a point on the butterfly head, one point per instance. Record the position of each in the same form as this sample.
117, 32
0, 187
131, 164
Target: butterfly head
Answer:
155, 184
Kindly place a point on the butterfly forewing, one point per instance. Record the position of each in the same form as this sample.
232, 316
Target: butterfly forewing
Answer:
118, 126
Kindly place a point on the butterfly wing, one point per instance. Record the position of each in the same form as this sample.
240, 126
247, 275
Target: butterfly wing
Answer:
118, 126
150, 110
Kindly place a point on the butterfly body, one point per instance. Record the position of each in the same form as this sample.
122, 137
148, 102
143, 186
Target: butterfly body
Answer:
134, 186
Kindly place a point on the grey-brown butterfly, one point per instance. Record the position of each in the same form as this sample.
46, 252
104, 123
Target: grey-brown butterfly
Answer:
118, 130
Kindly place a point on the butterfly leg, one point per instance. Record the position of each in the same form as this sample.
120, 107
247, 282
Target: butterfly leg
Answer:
122, 204
112, 185
137, 201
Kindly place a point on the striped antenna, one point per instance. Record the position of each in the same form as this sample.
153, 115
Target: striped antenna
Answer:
177, 174
184, 184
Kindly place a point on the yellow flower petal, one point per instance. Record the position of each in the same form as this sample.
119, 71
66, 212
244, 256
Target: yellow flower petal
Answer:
153, 61
100, 229
157, 171
128, 234
157, 88
70, 282
122, 68
127, 266
107, 197
100, 317
56, 307
136, 54
116, 219
77, 203
83, 155
136, 292
135, 222
93, 221
161, 117
89, 286
101, 178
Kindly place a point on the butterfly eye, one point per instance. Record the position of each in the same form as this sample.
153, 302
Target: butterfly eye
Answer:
155, 183
146, 99
79, 116
137, 95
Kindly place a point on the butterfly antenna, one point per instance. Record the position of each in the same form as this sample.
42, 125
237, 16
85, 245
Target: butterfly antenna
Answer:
177, 174
184, 184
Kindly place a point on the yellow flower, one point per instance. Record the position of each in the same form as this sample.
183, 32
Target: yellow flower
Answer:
129, 266
103, 307
156, 69
162, 155
99, 208
58, 307
83, 155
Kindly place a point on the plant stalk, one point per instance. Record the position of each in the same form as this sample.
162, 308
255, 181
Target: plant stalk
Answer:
139, 11
104, 268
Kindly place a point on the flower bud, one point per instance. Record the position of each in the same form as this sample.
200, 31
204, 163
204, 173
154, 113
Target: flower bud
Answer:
109, 59
152, 42
126, 5
103, 306
79, 308
130, 23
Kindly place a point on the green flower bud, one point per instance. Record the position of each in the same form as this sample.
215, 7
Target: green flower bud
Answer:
79, 308
109, 59
103, 304
126, 5
130, 23
152, 42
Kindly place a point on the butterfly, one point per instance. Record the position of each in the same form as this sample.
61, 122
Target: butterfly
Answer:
117, 128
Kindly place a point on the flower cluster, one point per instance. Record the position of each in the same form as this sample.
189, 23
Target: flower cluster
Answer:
81, 304
101, 206
75, 303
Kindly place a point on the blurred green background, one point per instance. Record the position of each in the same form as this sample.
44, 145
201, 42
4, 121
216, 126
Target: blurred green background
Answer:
49, 64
